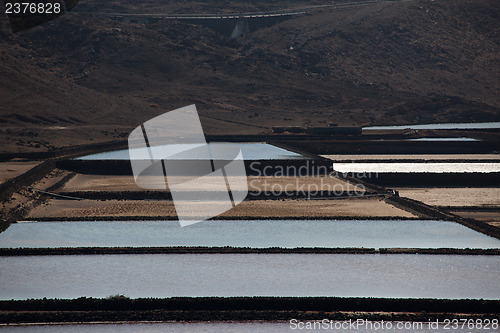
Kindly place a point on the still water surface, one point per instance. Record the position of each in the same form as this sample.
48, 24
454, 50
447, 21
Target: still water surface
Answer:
226, 275
219, 327
438, 126
417, 167
249, 151
445, 139
256, 234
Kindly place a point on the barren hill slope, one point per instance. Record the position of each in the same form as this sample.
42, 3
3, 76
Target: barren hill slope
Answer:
85, 78
423, 47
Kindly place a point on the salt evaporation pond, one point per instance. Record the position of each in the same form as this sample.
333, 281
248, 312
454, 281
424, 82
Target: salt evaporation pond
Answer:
417, 167
221, 327
489, 125
228, 275
255, 234
445, 139
249, 151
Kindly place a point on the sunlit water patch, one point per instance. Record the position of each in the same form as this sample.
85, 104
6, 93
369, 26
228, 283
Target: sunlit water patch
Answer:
489, 125
417, 167
249, 151
445, 139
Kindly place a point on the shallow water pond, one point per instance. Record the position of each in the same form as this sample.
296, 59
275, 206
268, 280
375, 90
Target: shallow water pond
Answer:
438, 126
417, 167
256, 234
225, 275
226, 327
249, 151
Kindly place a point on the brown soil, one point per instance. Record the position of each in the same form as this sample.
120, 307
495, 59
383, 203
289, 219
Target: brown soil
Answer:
492, 218
9, 170
260, 209
127, 183
26, 199
454, 197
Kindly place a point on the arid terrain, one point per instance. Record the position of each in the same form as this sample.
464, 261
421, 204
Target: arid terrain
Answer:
85, 78
258, 209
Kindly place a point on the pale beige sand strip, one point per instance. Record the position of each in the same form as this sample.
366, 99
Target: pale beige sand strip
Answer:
9, 170
258, 209
456, 197
126, 183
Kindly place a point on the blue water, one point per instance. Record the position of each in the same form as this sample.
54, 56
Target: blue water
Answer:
228, 275
438, 126
256, 234
250, 151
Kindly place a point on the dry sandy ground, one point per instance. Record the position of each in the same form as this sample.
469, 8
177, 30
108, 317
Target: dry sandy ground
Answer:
455, 197
414, 157
9, 170
277, 184
460, 197
26, 197
258, 209
492, 218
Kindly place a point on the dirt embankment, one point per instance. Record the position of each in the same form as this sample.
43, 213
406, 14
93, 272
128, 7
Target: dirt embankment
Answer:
12, 211
277, 167
238, 250
119, 308
353, 208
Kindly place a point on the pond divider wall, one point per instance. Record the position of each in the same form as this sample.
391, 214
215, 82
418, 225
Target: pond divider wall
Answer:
424, 210
70, 151
8, 188
5, 252
29, 177
87, 218
298, 167
123, 309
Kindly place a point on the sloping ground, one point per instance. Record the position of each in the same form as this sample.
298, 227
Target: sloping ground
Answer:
442, 52
84, 78
37, 105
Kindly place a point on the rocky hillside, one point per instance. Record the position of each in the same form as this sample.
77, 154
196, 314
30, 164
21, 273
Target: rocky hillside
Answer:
84, 78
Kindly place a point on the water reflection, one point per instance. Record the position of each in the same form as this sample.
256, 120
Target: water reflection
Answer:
250, 151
